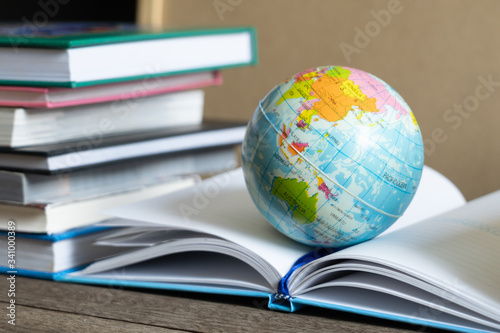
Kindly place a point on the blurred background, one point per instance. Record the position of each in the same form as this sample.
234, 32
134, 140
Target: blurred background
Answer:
442, 56
439, 55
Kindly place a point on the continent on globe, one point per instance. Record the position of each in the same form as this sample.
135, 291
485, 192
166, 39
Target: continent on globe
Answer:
294, 193
323, 188
338, 91
332, 156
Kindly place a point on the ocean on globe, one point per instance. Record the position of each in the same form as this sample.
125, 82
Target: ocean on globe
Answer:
332, 157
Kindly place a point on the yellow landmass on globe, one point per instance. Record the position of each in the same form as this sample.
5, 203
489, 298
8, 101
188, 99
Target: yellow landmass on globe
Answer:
307, 115
335, 96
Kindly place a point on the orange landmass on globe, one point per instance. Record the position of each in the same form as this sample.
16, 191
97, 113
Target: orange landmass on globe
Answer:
294, 147
283, 136
297, 147
335, 96
338, 97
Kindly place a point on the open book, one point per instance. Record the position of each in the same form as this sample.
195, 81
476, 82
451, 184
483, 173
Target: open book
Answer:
442, 272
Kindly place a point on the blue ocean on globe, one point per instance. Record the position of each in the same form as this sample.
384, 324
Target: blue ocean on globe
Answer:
332, 157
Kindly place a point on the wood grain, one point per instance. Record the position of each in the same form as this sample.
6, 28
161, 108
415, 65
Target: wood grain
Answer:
156, 310
41, 320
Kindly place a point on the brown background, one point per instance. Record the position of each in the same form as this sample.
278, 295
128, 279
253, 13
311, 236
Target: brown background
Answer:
432, 52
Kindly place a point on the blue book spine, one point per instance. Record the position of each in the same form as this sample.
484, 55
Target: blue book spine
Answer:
282, 300
76, 232
36, 274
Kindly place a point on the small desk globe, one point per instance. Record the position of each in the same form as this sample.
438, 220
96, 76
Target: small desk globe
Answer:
332, 157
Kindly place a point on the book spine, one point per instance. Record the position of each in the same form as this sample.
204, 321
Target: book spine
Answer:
13, 187
282, 300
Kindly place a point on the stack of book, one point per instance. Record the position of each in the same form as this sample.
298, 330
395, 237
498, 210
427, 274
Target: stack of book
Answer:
92, 116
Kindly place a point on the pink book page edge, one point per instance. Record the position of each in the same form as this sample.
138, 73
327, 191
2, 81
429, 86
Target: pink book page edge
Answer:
28, 89
214, 81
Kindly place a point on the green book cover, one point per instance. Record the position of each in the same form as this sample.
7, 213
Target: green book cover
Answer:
74, 34
82, 34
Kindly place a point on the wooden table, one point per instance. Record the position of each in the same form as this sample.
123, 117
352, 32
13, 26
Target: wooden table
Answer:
46, 306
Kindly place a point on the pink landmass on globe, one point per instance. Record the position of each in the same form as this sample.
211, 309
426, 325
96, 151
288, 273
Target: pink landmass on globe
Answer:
373, 88
322, 187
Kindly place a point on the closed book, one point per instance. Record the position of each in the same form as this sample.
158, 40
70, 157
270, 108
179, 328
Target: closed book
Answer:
439, 268
53, 97
43, 255
60, 216
98, 150
90, 122
26, 187
82, 54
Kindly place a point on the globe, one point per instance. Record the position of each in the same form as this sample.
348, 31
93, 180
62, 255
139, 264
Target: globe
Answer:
332, 156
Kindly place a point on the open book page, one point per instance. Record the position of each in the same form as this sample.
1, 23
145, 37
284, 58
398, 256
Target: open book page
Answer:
220, 206
436, 194
185, 259
455, 256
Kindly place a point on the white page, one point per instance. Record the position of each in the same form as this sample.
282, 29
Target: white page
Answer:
201, 268
220, 206
458, 251
386, 285
435, 195
371, 302
231, 212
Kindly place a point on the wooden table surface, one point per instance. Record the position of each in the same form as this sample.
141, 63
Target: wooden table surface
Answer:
46, 306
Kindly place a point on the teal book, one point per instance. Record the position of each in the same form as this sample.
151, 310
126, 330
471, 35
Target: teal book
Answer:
84, 54
55, 253
437, 266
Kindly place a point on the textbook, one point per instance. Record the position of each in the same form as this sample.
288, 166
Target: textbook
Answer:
25, 188
81, 54
52, 97
33, 126
42, 255
97, 150
63, 215
437, 266
441, 271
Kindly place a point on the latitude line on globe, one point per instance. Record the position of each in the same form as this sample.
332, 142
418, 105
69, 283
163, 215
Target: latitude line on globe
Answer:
255, 152
359, 198
374, 114
378, 93
292, 166
391, 153
339, 150
360, 163
321, 172
394, 100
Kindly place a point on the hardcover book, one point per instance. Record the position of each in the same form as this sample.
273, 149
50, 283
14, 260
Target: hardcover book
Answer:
43, 256
82, 54
91, 122
50, 97
60, 216
29, 188
97, 150
437, 266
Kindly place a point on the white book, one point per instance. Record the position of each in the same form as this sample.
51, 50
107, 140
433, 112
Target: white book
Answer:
57, 217
83, 54
91, 122
28, 188
440, 271
94, 151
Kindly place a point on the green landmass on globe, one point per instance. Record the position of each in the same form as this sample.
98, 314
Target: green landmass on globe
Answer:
294, 193
332, 156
